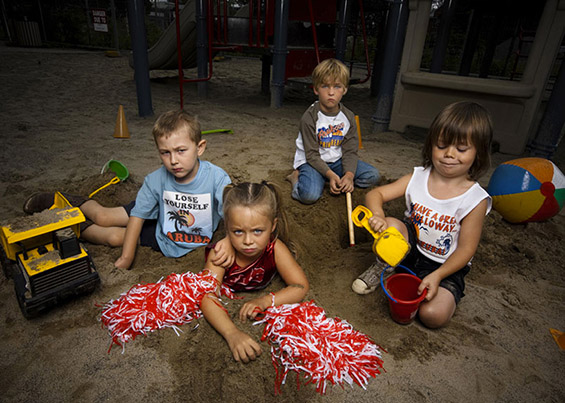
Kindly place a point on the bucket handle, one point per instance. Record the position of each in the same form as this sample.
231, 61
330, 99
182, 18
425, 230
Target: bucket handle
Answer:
382, 283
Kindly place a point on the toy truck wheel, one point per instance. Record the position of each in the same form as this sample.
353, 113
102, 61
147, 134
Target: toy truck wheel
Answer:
28, 314
19, 287
8, 266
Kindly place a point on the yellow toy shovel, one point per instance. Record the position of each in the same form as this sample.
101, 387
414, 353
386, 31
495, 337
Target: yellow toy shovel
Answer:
389, 245
119, 169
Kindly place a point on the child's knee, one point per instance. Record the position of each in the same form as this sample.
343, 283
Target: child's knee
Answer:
435, 316
306, 195
308, 198
398, 224
368, 179
106, 217
95, 213
431, 319
115, 238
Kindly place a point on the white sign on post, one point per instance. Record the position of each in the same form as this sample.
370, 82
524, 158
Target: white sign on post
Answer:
99, 20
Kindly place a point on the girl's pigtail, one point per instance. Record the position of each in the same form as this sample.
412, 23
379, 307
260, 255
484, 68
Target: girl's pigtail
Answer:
226, 190
227, 203
282, 231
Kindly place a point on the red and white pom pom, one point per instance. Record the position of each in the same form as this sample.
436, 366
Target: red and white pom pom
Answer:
303, 339
169, 303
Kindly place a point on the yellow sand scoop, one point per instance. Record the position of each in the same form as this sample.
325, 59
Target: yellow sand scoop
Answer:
389, 245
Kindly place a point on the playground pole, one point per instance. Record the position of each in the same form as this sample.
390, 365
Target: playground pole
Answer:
42, 21
341, 38
438, 56
550, 130
393, 44
492, 40
6, 26
266, 61
471, 41
202, 45
136, 21
115, 25
279, 52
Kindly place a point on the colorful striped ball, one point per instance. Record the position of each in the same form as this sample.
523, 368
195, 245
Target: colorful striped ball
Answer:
527, 190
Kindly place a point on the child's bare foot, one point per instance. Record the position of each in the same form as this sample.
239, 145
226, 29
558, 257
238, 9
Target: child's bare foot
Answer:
293, 177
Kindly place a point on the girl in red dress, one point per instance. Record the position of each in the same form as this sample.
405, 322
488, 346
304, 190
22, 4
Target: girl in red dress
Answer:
257, 228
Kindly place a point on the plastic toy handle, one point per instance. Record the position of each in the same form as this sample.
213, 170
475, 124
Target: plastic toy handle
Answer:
230, 131
114, 180
383, 285
360, 217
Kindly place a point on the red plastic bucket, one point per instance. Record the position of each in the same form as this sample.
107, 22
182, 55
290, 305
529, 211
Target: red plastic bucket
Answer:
403, 298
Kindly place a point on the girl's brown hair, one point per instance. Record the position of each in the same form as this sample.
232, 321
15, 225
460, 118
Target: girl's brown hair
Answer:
461, 123
264, 197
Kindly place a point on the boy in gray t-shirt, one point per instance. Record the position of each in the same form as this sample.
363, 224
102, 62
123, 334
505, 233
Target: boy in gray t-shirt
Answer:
326, 146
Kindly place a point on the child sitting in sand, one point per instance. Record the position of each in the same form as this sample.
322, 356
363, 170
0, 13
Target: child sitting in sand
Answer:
326, 146
257, 229
446, 208
177, 209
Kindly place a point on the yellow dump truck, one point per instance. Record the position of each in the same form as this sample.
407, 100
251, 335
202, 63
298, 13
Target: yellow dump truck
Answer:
43, 255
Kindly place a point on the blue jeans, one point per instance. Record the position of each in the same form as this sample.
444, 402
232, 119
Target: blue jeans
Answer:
310, 185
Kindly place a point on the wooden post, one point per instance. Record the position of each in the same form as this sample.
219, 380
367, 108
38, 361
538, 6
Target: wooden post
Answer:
349, 219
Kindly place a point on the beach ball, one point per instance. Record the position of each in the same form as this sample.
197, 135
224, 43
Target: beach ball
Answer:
527, 189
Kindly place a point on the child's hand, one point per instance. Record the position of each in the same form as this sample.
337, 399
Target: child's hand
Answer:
378, 224
123, 262
250, 309
346, 183
242, 346
431, 282
225, 255
334, 181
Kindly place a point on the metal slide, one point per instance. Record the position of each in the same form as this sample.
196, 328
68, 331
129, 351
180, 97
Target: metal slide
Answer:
163, 55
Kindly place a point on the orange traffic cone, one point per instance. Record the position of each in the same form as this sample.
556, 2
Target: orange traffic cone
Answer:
121, 131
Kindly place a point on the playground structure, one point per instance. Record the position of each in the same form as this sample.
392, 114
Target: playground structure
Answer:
291, 36
514, 105
163, 54
286, 34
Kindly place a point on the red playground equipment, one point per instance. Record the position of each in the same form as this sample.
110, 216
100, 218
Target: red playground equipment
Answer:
292, 36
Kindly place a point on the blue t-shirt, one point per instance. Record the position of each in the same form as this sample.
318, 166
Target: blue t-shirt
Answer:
187, 214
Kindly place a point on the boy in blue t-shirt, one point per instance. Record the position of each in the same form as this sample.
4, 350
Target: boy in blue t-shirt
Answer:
177, 209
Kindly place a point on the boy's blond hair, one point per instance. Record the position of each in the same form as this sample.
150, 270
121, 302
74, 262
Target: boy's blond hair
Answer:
172, 121
330, 71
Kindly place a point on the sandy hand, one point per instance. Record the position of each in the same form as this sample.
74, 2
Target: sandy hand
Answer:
243, 347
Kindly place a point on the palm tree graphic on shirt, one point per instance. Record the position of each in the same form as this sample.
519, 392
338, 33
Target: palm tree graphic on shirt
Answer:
178, 219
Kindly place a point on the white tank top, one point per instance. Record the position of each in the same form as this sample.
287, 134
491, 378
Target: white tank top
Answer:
438, 222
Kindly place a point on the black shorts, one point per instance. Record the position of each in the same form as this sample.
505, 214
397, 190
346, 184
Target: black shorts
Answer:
147, 236
422, 266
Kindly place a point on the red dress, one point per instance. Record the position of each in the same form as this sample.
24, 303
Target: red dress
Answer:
255, 276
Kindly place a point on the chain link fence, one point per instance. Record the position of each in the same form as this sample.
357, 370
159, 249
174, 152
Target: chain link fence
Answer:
79, 23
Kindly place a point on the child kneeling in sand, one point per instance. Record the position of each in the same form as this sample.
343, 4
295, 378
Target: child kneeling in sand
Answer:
326, 146
445, 206
256, 228
177, 209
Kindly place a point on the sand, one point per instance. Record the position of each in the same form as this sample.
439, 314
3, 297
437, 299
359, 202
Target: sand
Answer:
58, 114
